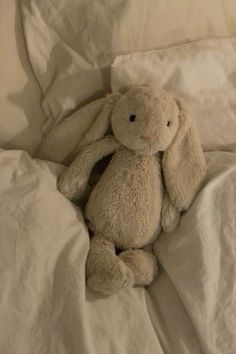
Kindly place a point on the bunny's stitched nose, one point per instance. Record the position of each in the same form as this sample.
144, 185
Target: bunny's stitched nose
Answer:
148, 136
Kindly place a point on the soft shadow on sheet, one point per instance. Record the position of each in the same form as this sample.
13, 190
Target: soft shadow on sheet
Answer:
29, 99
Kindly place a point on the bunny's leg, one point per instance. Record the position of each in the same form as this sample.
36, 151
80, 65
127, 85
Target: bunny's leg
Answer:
142, 263
106, 272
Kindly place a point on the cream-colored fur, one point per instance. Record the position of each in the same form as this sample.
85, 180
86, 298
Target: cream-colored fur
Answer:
66, 139
131, 202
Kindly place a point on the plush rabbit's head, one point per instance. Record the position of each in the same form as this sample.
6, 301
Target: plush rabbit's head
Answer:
145, 119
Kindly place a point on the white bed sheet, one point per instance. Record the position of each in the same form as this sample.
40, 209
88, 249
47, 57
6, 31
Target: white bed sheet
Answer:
21, 115
200, 259
45, 306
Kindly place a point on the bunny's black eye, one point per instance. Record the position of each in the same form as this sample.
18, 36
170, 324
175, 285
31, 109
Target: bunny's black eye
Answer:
168, 123
132, 118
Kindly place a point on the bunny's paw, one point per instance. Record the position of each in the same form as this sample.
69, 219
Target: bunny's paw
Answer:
170, 216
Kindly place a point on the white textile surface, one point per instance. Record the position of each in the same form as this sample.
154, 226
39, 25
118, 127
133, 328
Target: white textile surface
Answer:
200, 259
21, 115
203, 73
45, 306
72, 43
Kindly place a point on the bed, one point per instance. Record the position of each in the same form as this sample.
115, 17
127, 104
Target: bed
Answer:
55, 57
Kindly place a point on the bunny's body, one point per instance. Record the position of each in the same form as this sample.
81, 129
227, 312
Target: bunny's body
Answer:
127, 200
128, 206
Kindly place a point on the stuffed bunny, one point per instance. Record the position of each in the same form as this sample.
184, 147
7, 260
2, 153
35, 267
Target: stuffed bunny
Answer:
139, 191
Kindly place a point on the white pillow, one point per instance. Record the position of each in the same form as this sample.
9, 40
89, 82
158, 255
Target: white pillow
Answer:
21, 115
204, 73
72, 44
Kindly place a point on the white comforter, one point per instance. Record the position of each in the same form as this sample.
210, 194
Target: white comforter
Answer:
45, 306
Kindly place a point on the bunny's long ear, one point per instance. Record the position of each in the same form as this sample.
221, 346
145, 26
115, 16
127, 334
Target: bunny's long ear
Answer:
83, 127
183, 163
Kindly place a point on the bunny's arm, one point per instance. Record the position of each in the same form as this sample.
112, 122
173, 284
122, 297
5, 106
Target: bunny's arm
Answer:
74, 180
170, 216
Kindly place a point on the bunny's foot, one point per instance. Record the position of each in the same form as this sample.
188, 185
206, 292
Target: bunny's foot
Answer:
143, 265
106, 272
